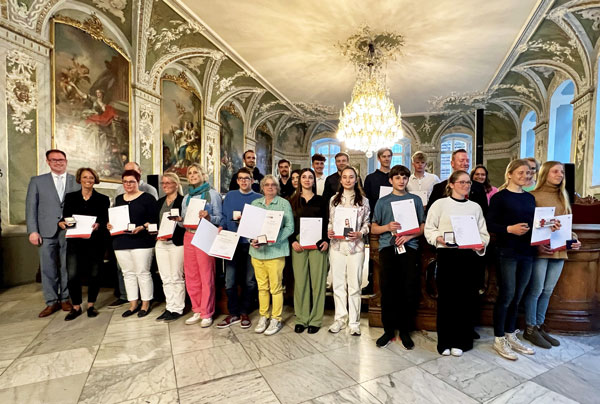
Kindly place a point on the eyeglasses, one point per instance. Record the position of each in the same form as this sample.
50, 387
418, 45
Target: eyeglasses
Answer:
57, 160
270, 185
167, 183
463, 182
244, 178
129, 182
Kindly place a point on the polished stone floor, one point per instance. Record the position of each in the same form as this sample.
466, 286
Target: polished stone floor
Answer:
110, 359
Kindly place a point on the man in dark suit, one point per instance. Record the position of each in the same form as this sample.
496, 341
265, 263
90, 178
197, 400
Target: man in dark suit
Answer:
332, 183
44, 206
250, 162
460, 161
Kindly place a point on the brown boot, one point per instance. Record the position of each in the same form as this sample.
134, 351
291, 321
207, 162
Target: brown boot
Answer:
548, 337
49, 310
532, 335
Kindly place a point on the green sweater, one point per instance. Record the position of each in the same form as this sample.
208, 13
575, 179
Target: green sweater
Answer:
281, 247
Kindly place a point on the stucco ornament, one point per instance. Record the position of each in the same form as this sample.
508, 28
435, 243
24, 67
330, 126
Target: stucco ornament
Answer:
115, 7
226, 83
559, 51
426, 126
387, 46
146, 130
581, 138
163, 39
24, 15
21, 90
194, 64
592, 15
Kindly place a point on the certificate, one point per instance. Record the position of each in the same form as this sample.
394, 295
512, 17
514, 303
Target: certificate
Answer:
423, 195
558, 239
540, 234
192, 213
272, 224
344, 221
405, 213
466, 232
251, 222
311, 231
383, 191
208, 239
167, 227
118, 217
84, 227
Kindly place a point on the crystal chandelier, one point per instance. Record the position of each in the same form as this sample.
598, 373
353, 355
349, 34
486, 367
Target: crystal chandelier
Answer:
369, 121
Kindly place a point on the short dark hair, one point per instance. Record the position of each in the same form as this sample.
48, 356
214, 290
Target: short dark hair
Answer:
91, 170
55, 151
247, 151
283, 161
244, 170
399, 169
383, 150
342, 154
318, 157
131, 173
455, 152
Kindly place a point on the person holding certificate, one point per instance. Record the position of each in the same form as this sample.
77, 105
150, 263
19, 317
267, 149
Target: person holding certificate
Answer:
169, 252
456, 267
268, 259
85, 253
198, 266
134, 248
309, 261
400, 275
547, 266
347, 254
510, 217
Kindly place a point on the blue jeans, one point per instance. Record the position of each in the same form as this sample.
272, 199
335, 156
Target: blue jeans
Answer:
239, 271
546, 272
513, 275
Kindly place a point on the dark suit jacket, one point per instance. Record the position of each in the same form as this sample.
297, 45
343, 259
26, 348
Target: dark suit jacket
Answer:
43, 207
332, 185
256, 175
477, 195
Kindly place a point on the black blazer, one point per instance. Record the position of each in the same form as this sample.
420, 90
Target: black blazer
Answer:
177, 238
97, 205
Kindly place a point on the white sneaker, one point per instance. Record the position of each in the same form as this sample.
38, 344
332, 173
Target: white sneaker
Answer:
262, 325
446, 352
274, 327
337, 326
206, 322
194, 319
517, 346
355, 330
456, 352
503, 348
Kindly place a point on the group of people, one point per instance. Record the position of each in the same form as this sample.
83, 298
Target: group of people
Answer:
256, 269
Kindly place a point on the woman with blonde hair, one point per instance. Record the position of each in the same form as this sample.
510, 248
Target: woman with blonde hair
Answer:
547, 266
510, 217
169, 252
198, 266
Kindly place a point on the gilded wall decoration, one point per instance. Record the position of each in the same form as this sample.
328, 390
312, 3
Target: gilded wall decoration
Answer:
21, 91
181, 123
232, 145
146, 130
115, 7
91, 98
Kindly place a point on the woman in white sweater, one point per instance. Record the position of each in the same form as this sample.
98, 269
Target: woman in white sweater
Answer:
456, 268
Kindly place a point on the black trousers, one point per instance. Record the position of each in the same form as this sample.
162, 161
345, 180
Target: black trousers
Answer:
458, 284
400, 289
83, 256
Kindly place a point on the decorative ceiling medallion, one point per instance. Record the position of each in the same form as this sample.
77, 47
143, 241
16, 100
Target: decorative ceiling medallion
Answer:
387, 46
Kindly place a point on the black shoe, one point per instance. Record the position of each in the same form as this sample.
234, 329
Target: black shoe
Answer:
384, 340
476, 335
131, 312
299, 328
313, 329
144, 313
117, 303
73, 314
171, 317
92, 312
163, 315
407, 341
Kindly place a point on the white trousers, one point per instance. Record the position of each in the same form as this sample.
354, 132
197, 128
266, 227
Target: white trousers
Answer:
169, 258
135, 265
346, 271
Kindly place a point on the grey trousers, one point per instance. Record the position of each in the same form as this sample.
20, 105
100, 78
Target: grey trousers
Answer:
53, 265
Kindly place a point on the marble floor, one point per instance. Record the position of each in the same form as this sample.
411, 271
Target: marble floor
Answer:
110, 359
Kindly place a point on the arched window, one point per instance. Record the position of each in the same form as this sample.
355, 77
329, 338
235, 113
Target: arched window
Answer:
596, 156
528, 135
329, 148
449, 144
400, 155
561, 123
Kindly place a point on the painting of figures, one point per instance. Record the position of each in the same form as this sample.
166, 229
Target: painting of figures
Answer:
264, 152
232, 146
91, 102
180, 127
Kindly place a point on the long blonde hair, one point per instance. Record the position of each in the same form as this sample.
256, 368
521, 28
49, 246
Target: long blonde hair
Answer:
175, 178
562, 192
510, 168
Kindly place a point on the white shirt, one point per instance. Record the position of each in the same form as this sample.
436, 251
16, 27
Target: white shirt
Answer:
422, 184
62, 178
321, 184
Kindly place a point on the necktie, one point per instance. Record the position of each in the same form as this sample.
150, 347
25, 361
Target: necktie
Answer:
60, 187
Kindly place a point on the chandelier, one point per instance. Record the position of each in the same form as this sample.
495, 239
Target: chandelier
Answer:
369, 122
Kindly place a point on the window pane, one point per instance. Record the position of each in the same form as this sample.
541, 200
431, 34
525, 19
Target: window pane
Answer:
324, 149
396, 160
397, 148
460, 144
335, 149
446, 146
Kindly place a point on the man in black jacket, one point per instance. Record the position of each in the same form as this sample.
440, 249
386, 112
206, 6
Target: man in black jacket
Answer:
332, 183
249, 158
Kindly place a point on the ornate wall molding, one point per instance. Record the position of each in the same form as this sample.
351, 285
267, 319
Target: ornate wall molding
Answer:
145, 12
21, 90
146, 129
24, 40
183, 81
